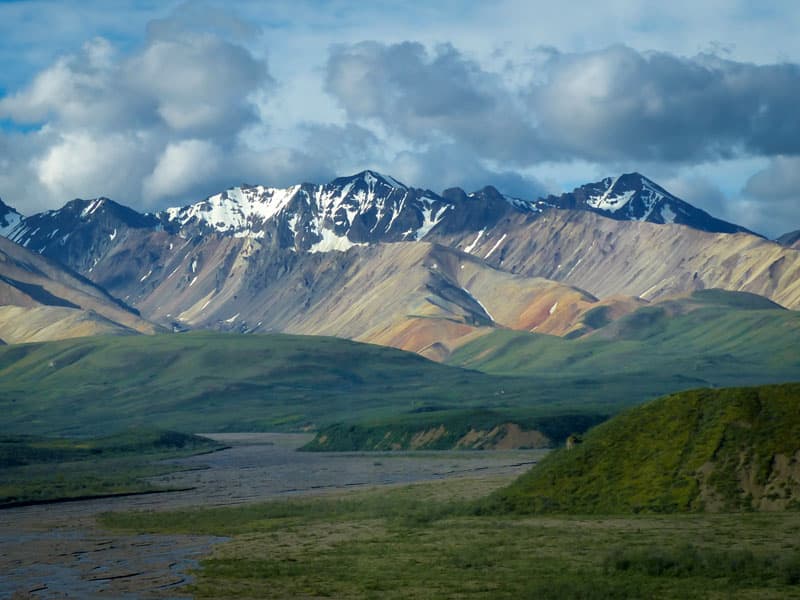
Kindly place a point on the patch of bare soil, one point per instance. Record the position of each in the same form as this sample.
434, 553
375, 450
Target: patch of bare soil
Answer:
508, 436
780, 490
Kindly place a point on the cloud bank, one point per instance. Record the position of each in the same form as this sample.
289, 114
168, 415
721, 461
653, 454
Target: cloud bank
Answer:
195, 107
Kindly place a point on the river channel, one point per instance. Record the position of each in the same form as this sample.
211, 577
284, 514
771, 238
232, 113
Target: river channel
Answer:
58, 551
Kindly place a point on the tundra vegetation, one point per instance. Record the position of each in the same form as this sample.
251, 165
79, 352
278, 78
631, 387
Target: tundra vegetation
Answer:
642, 527
35, 469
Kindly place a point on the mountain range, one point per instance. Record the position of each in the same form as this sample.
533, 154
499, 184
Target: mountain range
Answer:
368, 258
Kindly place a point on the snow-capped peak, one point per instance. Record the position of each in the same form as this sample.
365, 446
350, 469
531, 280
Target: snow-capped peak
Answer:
237, 210
380, 204
614, 194
363, 208
634, 197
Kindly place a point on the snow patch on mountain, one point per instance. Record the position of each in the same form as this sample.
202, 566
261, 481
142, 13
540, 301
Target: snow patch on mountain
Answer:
668, 215
474, 243
429, 219
92, 207
8, 222
610, 200
330, 241
536, 206
238, 210
651, 197
486, 312
495, 247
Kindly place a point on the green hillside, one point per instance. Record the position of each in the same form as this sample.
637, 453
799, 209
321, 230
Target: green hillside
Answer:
712, 339
716, 450
207, 381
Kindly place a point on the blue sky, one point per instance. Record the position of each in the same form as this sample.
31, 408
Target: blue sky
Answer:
163, 103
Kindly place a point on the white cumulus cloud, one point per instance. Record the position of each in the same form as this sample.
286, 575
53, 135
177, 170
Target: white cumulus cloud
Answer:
177, 169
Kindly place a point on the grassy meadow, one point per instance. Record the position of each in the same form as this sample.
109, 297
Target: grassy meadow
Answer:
431, 541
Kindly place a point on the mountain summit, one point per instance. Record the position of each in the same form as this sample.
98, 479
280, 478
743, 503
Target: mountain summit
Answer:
74, 233
364, 208
634, 197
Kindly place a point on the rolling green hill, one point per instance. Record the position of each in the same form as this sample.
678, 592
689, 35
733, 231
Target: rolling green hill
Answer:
713, 450
711, 339
207, 381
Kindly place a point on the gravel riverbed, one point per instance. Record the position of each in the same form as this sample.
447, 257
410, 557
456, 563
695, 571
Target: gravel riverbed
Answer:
58, 551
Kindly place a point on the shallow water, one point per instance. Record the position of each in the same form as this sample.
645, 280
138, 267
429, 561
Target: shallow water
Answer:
57, 551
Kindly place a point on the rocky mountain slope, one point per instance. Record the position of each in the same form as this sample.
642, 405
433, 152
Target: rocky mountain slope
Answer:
415, 296
647, 260
791, 239
42, 300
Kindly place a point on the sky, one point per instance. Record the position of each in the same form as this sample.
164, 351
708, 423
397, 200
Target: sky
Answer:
162, 103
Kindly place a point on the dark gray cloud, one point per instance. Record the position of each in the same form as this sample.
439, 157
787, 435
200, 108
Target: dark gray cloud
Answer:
620, 103
780, 181
451, 165
607, 105
774, 195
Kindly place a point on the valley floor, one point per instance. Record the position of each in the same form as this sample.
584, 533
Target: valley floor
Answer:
267, 522
423, 541
58, 550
